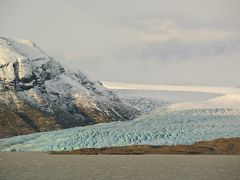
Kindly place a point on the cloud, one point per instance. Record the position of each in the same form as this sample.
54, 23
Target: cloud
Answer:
134, 41
160, 32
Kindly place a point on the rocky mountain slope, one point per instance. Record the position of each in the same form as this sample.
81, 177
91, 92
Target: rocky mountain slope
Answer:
38, 94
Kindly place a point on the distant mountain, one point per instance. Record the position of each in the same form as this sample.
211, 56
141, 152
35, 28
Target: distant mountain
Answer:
38, 94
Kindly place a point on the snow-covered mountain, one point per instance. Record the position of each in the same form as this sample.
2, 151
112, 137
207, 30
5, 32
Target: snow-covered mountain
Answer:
38, 94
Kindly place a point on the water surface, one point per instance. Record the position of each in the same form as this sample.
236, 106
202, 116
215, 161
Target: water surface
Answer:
35, 165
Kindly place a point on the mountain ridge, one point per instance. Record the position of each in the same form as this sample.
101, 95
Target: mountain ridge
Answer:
31, 81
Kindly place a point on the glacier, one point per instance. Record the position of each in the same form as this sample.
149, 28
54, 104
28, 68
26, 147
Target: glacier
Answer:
160, 127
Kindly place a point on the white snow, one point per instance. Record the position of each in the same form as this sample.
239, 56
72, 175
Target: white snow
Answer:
229, 101
22, 52
166, 96
206, 89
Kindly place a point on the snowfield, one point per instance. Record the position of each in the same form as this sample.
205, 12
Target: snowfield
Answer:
225, 102
181, 88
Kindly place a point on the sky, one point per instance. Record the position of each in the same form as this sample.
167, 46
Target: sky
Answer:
193, 42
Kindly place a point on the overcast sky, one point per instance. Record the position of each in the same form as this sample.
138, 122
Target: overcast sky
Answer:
140, 41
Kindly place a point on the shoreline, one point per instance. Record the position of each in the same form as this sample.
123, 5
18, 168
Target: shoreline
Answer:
222, 146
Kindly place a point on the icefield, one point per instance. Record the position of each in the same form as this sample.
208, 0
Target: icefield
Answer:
160, 127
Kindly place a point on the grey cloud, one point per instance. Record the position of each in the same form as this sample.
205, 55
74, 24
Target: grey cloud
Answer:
140, 41
175, 50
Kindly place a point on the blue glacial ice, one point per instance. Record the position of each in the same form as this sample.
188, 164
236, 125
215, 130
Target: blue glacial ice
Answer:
160, 127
